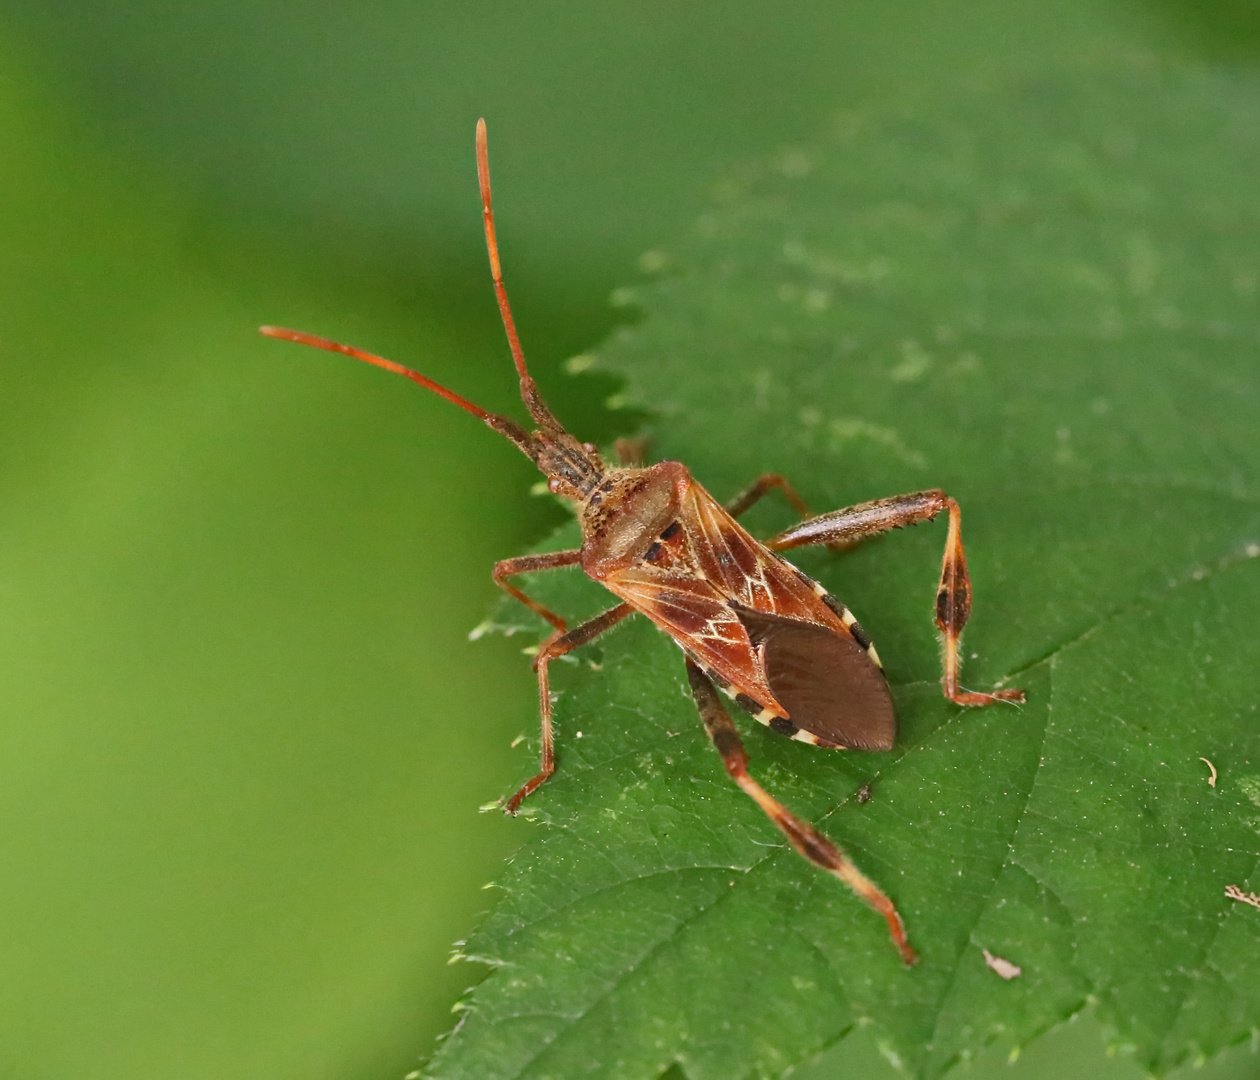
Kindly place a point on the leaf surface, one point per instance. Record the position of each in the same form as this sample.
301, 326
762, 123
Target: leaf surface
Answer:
1039, 293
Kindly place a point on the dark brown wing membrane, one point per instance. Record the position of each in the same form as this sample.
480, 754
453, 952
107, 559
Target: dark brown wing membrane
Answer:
824, 679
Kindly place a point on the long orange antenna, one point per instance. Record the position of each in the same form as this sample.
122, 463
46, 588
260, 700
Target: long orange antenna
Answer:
500, 424
529, 390
301, 338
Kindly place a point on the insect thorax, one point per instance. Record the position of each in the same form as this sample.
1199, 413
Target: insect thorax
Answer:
626, 514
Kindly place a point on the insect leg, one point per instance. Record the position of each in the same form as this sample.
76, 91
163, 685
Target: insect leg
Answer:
849, 527
631, 451
552, 560
953, 606
558, 644
800, 834
759, 488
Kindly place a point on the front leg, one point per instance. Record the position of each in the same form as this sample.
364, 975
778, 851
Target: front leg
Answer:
560, 641
848, 527
526, 564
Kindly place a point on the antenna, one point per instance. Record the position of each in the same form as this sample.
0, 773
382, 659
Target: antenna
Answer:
501, 424
529, 390
301, 338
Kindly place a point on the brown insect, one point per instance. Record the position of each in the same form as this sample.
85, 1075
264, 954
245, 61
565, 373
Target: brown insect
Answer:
749, 622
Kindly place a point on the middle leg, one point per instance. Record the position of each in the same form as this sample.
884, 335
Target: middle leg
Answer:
762, 486
556, 645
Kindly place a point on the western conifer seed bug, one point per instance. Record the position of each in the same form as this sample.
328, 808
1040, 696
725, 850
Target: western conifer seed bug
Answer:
749, 623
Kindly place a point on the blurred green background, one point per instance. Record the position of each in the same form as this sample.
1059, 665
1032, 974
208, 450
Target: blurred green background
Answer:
243, 735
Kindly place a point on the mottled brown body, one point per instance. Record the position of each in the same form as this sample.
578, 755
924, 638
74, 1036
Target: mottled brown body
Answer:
760, 629
749, 622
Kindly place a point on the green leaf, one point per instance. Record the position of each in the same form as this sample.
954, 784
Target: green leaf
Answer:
1040, 294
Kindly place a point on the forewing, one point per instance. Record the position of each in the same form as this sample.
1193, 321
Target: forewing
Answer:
825, 680
754, 621
742, 569
696, 616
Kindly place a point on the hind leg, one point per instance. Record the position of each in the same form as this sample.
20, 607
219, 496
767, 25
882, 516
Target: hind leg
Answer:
800, 834
850, 526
